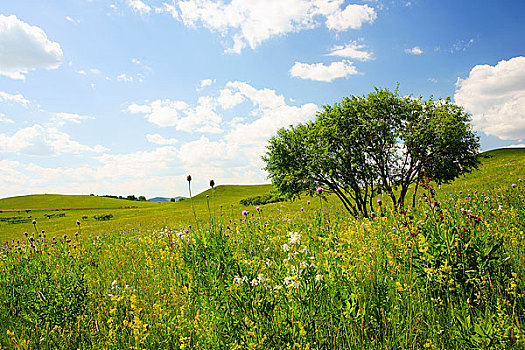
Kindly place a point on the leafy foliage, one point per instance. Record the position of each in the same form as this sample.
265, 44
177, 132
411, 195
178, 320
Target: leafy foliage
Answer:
376, 143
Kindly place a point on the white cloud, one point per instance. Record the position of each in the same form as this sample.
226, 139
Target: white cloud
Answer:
125, 78
139, 7
62, 117
495, 96
169, 9
352, 17
3, 119
163, 113
135, 165
202, 150
18, 98
25, 48
352, 50
206, 82
43, 141
159, 140
249, 23
321, 72
229, 99
72, 20
416, 50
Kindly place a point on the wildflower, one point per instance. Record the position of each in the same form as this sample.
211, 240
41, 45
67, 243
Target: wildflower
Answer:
78, 222
186, 231
379, 201
212, 183
245, 212
519, 180
302, 209
513, 185
319, 278
319, 190
308, 202
286, 247
188, 178
295, 284
254, 282
294, 238
257, 208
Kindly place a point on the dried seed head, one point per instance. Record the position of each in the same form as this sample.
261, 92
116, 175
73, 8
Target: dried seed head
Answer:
188, 178
212, 183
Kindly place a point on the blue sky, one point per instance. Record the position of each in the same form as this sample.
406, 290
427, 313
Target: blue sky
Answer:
129, 96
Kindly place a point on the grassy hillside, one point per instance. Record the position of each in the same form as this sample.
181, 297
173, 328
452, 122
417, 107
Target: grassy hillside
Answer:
62, 211
58, 201
498, 169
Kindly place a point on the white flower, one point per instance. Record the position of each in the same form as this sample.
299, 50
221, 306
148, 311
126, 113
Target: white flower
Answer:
286, 247
254, 282
114, 284
319, 278
295, 284
294, 238
287, 280
261, 278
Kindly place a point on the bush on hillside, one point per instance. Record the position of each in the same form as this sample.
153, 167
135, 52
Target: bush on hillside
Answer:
262, 199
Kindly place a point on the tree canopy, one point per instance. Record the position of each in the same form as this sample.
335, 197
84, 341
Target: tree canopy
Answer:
378, 143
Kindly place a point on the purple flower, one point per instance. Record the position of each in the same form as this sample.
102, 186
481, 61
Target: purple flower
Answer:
319, 190
245, 212
78, 222
372, 213
513, 185
302, 209
186, 231
379, 202
519, 180
257, 208
308, 202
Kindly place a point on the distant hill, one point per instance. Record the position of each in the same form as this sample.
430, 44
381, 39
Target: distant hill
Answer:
166, 199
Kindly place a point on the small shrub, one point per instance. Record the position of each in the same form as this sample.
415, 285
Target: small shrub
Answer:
103, 217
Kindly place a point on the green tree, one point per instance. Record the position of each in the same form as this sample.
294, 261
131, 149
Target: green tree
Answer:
380, 142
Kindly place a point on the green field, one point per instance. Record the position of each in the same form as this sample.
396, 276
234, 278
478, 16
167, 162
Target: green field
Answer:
446, 274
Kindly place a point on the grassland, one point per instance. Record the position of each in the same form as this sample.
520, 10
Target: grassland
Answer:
448, 273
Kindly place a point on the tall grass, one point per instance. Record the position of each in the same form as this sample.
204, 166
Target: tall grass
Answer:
446, 274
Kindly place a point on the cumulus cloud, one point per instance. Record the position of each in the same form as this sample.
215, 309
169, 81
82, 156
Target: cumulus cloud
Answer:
249, 23
352, 17
495, 96
165, 113
39, 140
322, 72
416, 50
25, 48
352, 50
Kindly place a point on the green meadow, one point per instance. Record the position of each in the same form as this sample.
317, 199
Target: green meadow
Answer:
448, 273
